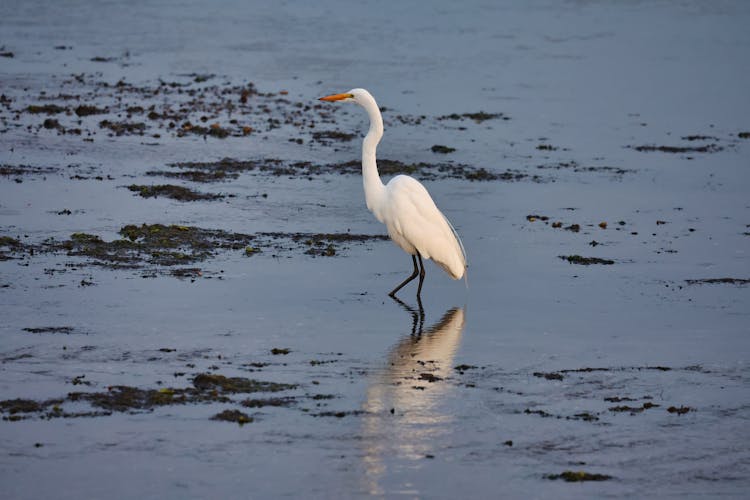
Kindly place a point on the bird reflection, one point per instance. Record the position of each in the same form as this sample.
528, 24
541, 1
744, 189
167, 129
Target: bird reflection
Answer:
403, 411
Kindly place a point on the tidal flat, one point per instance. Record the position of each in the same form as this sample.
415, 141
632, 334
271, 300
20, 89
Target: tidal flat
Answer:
194, 296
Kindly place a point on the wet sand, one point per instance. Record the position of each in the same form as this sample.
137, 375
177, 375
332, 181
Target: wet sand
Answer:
193, 294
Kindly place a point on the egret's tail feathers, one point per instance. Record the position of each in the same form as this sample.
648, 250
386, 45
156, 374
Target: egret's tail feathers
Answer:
458, 239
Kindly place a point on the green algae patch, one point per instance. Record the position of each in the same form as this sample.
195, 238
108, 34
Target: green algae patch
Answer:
85, 110
206, 388
46, 109
262, 403
179, 193
633, 409
233, 416
178, 245
439, 148
22, 409
123, 128
578, 476
10, 247
124, 398
208, 382
166, 245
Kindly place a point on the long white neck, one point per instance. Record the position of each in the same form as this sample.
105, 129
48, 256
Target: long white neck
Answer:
374, 188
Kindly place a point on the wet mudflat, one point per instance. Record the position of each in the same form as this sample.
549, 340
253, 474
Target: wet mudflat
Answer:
193, 294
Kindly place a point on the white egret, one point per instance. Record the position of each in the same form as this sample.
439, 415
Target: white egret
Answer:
406, 208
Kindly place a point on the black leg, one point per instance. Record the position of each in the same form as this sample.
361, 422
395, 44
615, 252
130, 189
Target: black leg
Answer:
421, 277
413, 275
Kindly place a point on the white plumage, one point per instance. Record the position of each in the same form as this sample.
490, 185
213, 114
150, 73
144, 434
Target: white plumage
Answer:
406, 208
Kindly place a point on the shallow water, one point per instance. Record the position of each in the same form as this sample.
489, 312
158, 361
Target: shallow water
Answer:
522, 375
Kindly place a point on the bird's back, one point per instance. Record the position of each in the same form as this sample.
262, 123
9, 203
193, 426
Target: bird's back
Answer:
416, 224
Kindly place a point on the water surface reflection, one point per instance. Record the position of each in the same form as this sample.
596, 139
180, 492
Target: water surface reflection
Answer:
404, 414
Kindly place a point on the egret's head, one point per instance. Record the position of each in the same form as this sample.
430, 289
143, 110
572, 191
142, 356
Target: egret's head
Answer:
360, 96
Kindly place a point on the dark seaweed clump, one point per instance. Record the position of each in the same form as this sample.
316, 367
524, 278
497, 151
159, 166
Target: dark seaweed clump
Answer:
47, 109
708, 148
171, 191
85, 110
9, 247
578, 168
339, 414
478, 117
233, 416
586, 261
578, 476
679, 410
716, 281
633, 409
207, 381
262, 403
230, 168
326, 136
50, 329
439, 148
122, 128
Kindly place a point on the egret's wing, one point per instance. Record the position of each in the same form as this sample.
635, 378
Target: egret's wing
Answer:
414, 218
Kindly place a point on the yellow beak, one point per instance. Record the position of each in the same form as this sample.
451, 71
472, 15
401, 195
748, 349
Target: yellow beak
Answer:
336, 97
